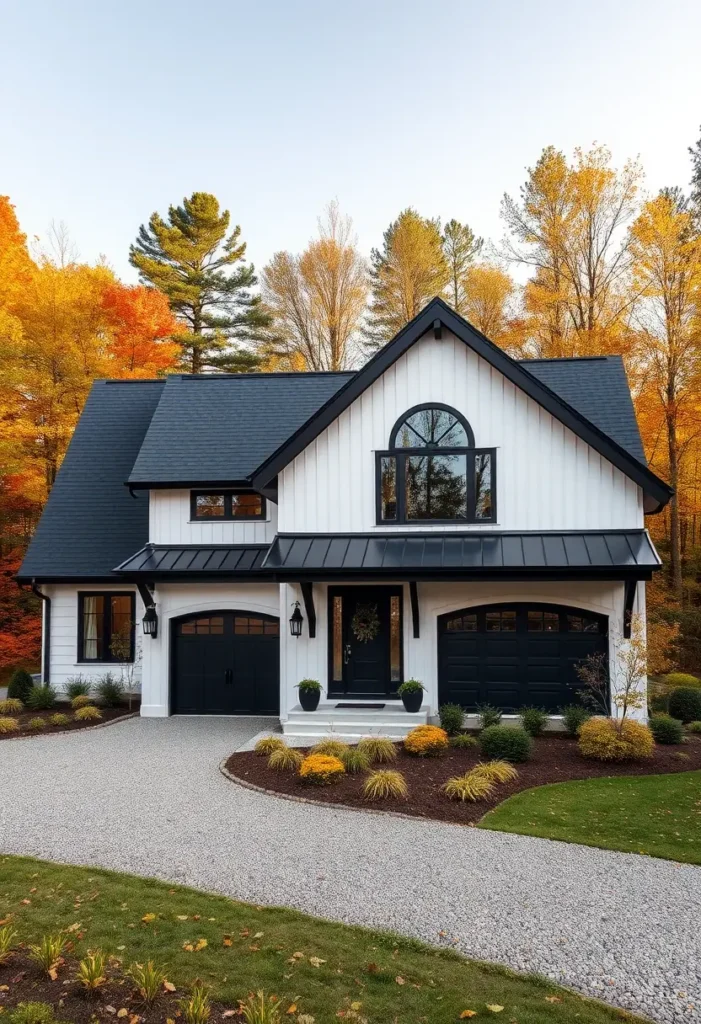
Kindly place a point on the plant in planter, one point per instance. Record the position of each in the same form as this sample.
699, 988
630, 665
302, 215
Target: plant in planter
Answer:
309, 694
411, 691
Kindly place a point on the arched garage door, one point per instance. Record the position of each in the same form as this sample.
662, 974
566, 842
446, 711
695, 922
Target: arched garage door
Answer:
226, 663
513, 655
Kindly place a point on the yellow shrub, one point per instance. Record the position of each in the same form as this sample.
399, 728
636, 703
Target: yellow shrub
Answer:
495, 771
321, 769
9, 725
81, 701
285, 759
268, 744
385, 784
601, 739
468, 787
11, 706
87, 714
426, 741
331, 747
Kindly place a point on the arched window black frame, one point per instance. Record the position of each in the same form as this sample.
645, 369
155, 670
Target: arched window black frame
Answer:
442, 451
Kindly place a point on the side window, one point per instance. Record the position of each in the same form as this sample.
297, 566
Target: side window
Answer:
218, 506
106, 623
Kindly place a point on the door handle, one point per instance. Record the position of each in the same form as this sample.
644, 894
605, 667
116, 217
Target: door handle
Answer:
346, 654
228, 676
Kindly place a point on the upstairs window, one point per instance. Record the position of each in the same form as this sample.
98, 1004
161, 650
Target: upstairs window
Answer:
106, 626
218, 506
432, 471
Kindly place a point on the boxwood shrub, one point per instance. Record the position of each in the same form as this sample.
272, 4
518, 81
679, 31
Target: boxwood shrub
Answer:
685, 704
452, 717
504, 743
666, 729
20, 684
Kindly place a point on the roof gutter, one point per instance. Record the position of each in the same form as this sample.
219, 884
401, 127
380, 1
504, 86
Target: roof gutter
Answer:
46, 634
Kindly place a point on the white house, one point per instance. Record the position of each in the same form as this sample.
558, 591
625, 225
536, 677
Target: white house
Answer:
446, 513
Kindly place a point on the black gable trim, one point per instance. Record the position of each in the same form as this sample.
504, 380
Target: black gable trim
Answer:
656, 491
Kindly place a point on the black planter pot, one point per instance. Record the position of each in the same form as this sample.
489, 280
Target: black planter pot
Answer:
412, 701
309, 699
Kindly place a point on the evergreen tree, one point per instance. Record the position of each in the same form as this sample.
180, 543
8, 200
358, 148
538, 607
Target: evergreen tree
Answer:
460, 247
405, 275
695, 153
199, 267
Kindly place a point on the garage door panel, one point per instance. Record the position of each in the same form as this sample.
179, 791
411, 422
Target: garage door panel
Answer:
516, 655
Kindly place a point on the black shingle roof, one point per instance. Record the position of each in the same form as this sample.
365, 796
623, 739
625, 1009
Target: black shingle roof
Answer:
597, 387
91, 522
218, 429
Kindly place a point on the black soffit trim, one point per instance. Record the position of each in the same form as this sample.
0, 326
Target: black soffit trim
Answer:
652, 485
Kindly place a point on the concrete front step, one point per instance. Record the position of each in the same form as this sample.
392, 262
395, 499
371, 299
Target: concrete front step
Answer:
352, 723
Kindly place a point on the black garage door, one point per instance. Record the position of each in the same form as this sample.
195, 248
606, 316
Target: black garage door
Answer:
226, 663
512, 655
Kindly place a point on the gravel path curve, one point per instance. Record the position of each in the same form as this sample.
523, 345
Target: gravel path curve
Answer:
145, 796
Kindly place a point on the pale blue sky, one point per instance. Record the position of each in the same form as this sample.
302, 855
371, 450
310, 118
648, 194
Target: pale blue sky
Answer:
110, 110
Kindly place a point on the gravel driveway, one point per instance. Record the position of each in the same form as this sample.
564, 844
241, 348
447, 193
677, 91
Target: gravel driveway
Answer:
146, 797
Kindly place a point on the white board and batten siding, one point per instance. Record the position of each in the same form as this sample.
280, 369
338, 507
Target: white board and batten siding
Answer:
170, 523
547, 477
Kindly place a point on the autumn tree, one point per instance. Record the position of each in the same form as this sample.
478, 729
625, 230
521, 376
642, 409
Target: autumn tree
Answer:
695, 153
141, 327
489, 296
406, 273
460, 248
569, 228
317, 299
195, 260
666, 249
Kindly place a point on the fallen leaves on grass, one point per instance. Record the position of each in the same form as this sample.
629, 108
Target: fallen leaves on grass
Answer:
468, 1013
147, 918
316, 961
494, 1007
195, 947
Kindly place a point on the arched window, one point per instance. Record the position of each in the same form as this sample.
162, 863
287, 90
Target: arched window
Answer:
433, 472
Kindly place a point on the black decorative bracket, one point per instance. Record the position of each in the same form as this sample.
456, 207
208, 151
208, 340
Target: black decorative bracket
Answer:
414, 595
631, 586
146, 594
437, 330
308, 597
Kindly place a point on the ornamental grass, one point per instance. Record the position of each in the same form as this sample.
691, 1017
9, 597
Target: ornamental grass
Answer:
11, 706
385, 784
495, 771
427, 741
285, 759
331, 747
60, 719
88, 714
355, 760
464, 741
36, 724
469, 787
379, 749
268, 744
321, 770
81, 700
603, 739
8, 725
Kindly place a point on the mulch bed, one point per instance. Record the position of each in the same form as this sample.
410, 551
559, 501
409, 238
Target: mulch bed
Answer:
21, 980
108, 715
555, 759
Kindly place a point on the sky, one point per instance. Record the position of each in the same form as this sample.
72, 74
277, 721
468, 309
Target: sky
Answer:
111, 110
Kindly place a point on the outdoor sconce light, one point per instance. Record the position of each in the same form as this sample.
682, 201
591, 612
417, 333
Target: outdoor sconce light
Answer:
296, 620
150, 622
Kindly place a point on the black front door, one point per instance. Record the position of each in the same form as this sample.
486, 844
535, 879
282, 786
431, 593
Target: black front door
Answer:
226, 663
365, 641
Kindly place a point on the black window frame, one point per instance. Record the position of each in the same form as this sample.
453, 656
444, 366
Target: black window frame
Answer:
228, 516
108, 657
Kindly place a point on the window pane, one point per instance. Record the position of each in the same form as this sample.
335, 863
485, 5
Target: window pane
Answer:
395, 638
579, 624
535, 621
93, 622
463, 624
501, 622
246, 505
551, 622
271, 628
209, 506
483, 486
436, 487
120, 628
388, 489
431, 427
591, 625
338, 638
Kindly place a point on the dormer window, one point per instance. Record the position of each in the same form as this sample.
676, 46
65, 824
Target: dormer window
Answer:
432, 471
218, 506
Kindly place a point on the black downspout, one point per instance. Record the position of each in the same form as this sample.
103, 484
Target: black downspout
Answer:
46, 653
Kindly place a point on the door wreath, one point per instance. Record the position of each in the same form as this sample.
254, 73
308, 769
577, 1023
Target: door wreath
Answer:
365, 622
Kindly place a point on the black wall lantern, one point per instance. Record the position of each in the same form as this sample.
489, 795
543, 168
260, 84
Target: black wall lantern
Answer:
150, 622
296, 620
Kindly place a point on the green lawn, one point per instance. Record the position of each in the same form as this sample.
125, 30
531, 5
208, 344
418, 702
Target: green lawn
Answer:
655, 814
396, 981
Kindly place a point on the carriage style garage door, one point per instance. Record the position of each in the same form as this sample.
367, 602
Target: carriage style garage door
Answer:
515, 655
226, 663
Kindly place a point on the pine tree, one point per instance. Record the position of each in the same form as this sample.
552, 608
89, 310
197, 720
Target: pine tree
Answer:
405, 275
199, 267
460, 247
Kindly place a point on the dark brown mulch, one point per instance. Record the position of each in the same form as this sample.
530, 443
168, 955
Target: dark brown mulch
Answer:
26, 982
108, 715
555, 759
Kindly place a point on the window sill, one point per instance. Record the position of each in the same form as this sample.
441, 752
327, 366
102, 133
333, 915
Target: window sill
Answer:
240, 519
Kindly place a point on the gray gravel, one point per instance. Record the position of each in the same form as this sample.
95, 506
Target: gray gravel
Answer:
146, 797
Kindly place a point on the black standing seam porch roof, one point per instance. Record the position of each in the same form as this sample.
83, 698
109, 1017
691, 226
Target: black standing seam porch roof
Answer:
616, 553
185, 561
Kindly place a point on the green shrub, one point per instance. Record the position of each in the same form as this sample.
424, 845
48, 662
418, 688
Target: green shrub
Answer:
355, 760
110, 690
674, 679
685, 704
32, 1013
36, 724
694, 727
658, 701
666, 729
573, 718
60, 719
41, 698
463, 740
20, 684
503, 743
78, 686
533, 720
488, 715
452, 717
